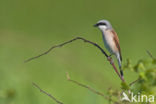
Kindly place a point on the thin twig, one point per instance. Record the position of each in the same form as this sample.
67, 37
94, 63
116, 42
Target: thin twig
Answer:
149, 53
85, 40
60, 45
134, 82
52, 97
85, 86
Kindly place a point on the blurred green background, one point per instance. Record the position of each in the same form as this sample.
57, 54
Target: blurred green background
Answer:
30, 27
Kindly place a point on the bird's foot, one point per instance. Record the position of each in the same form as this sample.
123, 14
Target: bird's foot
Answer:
110, 59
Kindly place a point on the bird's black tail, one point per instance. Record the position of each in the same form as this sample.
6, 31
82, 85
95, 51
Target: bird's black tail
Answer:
119, 58
121, 72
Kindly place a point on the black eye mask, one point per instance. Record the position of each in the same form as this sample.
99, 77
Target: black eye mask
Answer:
98, 24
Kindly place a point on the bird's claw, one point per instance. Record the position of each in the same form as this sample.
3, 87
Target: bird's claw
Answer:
110, 59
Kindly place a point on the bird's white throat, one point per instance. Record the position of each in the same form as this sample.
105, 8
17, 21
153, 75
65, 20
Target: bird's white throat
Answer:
102, 27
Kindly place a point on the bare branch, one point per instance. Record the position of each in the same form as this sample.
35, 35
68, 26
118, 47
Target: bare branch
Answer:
60, 45
114, 67
85, 40
85, 86
149, 53
52, 97
134, 82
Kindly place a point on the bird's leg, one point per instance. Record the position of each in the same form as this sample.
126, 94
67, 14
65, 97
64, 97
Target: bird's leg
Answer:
110, 59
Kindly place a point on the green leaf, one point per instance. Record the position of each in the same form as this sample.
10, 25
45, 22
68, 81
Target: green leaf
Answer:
154, 61
143, 76
139, 67
128, 65
124, 86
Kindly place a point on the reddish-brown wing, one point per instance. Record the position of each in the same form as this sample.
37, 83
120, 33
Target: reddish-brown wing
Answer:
116, 39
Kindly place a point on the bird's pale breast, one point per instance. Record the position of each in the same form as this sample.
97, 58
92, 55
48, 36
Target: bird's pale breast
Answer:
109, 41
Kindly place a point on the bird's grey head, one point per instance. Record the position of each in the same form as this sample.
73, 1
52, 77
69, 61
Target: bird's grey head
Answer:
103, 25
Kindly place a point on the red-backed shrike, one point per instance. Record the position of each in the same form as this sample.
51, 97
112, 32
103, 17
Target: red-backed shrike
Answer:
111, 40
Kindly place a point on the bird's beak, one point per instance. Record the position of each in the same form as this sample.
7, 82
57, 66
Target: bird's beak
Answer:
95, 25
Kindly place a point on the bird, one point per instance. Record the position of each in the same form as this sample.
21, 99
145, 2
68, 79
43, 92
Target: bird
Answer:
111, 41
